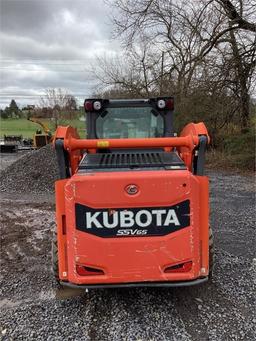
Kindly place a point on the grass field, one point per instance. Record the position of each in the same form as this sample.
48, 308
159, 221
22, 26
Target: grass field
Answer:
22, 126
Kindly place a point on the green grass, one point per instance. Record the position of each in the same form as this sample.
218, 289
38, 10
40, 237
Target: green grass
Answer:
22, 126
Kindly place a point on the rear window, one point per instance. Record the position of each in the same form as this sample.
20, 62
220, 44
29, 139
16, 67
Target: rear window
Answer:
129, 123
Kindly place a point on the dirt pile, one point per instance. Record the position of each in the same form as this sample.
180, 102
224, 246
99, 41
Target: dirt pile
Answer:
35, 172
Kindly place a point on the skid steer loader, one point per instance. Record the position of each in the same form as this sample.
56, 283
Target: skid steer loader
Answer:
132, 199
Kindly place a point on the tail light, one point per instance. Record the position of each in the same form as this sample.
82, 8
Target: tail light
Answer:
88, 271
97, 105
88, 105
182, 267
161, 103
170, 104
167, 103
92, 104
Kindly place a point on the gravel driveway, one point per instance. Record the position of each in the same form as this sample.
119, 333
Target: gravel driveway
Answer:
221, 310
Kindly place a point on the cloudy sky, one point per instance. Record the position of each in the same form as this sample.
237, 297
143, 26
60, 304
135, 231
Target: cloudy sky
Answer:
51, 44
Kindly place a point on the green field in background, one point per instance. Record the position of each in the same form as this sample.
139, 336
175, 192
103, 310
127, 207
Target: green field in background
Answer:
22, 126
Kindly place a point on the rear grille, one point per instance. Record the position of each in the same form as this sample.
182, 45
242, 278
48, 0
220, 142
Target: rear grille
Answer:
131, 160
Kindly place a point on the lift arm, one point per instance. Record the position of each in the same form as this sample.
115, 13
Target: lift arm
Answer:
70, 147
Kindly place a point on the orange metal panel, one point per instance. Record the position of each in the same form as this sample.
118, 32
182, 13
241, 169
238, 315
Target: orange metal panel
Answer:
63, 132
195, 129
132, 259
61, 228
74, 156
135, 259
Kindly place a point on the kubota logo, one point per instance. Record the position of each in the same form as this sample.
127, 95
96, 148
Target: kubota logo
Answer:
132, 221
126, 218
132, 189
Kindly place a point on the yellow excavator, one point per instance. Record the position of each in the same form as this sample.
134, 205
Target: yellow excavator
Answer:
42, 136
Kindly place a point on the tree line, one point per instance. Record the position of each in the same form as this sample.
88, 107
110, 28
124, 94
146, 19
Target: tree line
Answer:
56, 104
202, 52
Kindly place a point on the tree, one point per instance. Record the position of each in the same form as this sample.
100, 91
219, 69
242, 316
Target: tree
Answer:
14, 109
53, 97
170, 45
236, 16
59, 104
3, 114
243, 63
6, 112
71, 103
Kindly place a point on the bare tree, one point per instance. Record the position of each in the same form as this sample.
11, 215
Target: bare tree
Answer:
168, 46
236, 15
180, 34
59, 103
134, 72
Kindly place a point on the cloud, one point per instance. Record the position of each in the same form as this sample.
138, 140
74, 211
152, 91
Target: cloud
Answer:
51, 43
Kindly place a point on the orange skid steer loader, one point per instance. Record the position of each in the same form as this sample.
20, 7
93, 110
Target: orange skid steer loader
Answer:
132, 202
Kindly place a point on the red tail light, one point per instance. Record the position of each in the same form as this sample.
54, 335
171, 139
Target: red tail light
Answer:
170, 104
93, 105
182, 267
88, 105
88, 271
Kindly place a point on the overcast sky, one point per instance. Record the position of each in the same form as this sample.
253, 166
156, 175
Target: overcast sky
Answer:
51, 44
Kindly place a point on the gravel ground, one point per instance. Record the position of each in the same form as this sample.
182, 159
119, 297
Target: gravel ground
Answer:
221, 310
6, 159
34, 172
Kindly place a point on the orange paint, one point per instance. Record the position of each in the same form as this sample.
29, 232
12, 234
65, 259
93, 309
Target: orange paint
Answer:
132, 259
61, 229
